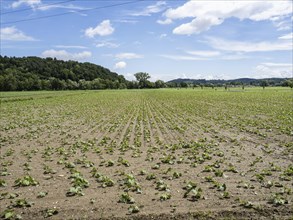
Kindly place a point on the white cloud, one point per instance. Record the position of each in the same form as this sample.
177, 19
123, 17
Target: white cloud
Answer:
128, 21
204, 53
107, 44
239, 46
103, 29
166, 21
70, 6
205, 14
282, 23
182, 57
13, 34
197, 25
65, 55
120, 65
268, 70
31, 3
129, 56
287, 37
151, 9
38, 5
71, 47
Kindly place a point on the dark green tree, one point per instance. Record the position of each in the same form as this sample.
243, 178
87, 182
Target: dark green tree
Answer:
142, 79
264, 83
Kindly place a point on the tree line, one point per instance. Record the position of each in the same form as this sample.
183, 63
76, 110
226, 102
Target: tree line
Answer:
35, 73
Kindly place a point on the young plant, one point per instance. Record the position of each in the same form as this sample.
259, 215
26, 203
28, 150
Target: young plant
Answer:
26, 181
50, 212
20, 203
2, 183
191, 188
126, 198
165, 196
133, 209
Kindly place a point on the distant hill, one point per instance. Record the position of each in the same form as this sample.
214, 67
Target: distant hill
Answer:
240, 81
35, 73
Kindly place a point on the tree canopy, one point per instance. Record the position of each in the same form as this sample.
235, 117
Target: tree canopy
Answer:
34, 73
142, 79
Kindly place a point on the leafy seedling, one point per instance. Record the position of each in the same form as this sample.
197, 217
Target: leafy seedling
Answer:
2, 183
162, 186
10, 214
165, 196
20, 203
50, 212
151, 176
133, 209
126, 198
278, 200
42, 194
106, 181
74, 191
109, 163
246, 204
191, 189
26, 181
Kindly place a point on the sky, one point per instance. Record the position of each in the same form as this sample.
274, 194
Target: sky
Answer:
170, 39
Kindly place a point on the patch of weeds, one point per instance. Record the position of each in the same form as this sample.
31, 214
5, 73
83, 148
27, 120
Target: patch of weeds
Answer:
79, 181
123, 162
2, 183
130, 183
151, 176
69, 165
12, 195
176, 175
247, 204
170, 159
48, 170
278, 200
3, 195
126, 198
287, 174
209, 179
162, 186
208, 169
142, 172
156, 166
109, 163
133, 209
42, 194
106, 181
74, 191
218, 173
225, 195
26, 181
267, 184
165, 196
26, 167
50, 212
21, 203
192, 191
4, 172
10, 214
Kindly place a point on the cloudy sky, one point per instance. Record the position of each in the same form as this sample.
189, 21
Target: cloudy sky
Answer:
168, 39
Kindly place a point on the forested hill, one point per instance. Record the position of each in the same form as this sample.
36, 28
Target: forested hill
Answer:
34, 73
240, 81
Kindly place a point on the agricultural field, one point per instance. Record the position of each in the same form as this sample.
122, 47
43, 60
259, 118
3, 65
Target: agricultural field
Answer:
142, 154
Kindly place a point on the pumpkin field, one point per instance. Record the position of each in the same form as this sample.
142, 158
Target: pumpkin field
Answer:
147, 154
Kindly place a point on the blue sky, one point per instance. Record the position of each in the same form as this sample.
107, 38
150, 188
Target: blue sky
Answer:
167, 39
